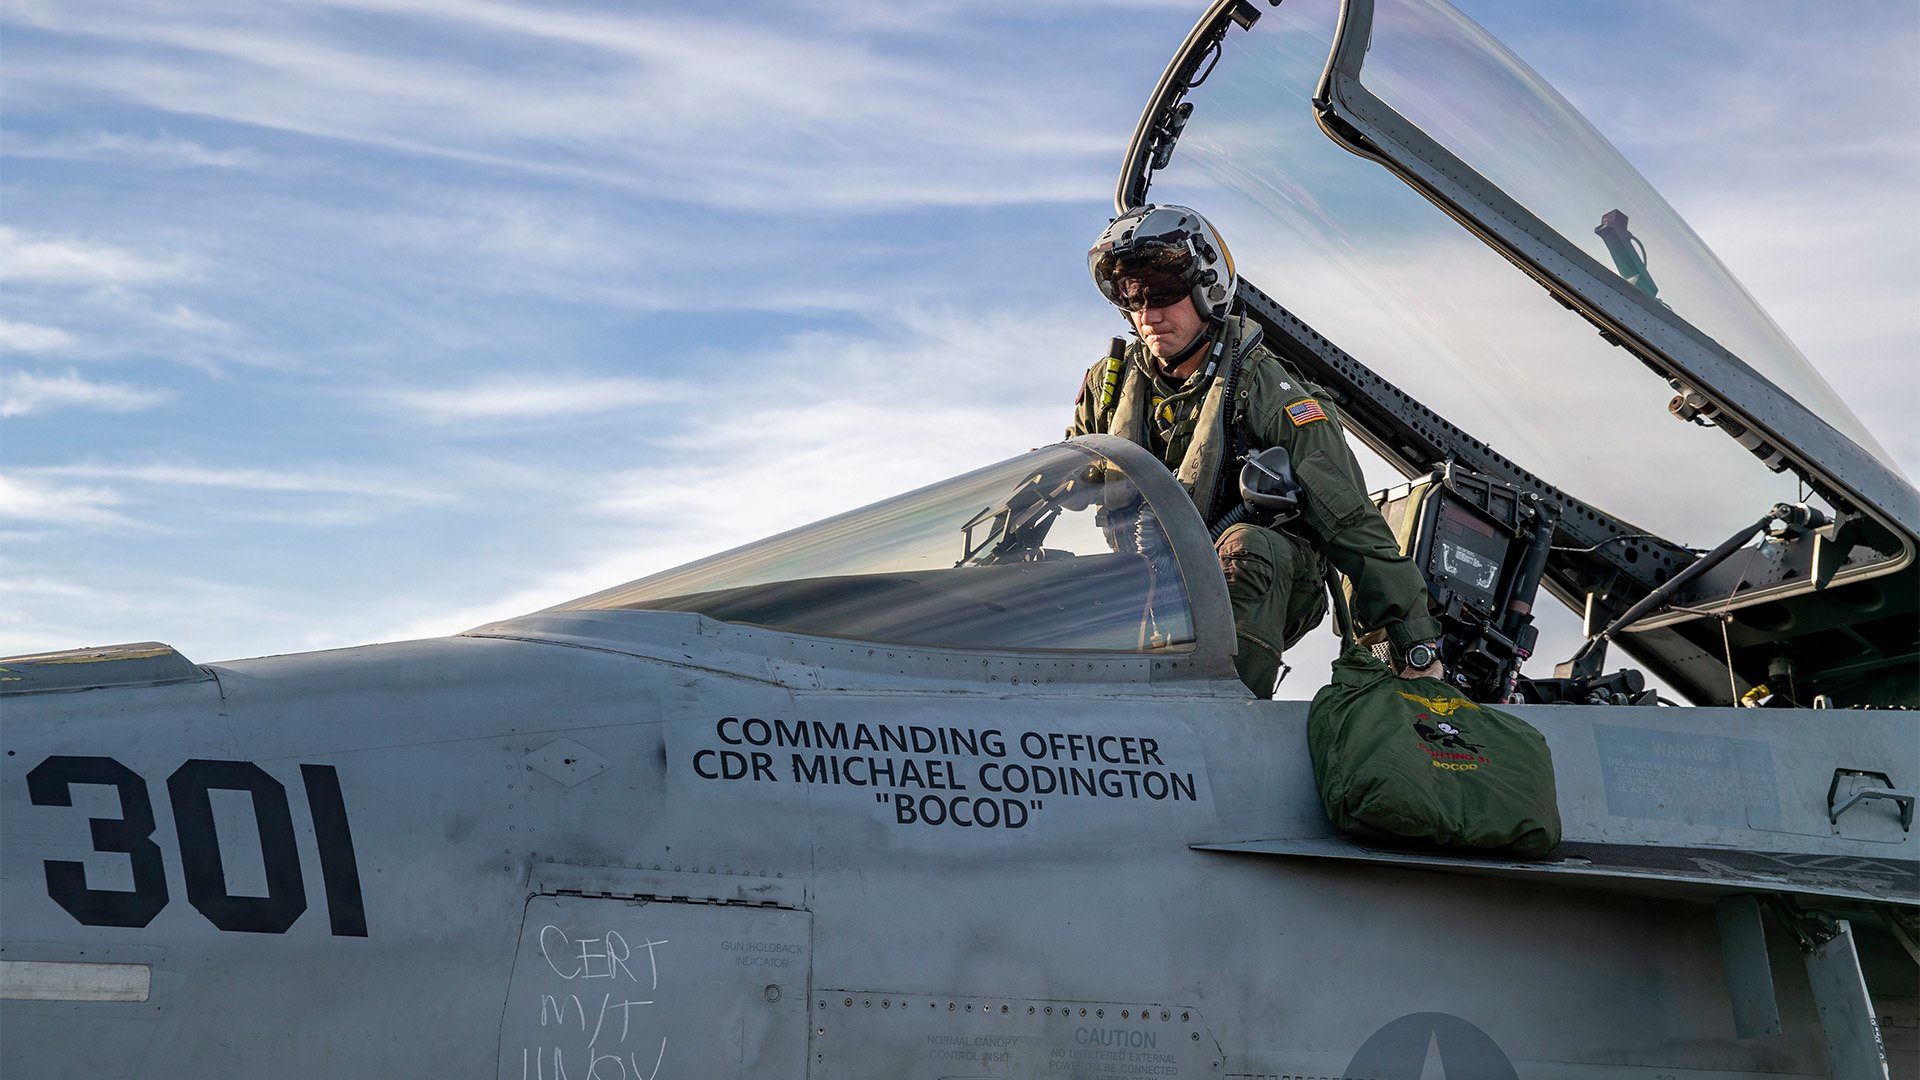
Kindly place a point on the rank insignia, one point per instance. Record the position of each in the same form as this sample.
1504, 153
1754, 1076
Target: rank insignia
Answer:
1305, 412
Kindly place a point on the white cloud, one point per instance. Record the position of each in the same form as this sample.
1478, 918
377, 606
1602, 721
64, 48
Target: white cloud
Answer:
494, 235
529, 398
721, 109
941, 393
206, 619
32, 338
596, 253
23, 392
306, 483
17, 586
27, 500
66, 261
182, 317
128, 149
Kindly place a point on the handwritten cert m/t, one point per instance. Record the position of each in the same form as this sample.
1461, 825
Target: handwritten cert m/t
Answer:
612, 989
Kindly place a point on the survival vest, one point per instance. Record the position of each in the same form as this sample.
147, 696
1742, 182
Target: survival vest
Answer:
1129, 400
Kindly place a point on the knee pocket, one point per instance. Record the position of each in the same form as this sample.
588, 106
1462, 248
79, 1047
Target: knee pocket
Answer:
1244, 542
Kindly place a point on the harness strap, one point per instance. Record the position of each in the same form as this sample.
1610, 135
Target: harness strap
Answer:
1226, 485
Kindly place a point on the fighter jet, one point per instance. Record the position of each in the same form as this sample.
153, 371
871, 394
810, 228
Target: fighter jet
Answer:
963, 784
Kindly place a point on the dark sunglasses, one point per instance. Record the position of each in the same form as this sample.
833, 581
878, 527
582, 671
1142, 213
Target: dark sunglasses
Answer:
1136, 292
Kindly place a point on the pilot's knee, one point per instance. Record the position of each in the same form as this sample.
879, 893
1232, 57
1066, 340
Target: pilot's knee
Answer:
1247, 550
1247, 556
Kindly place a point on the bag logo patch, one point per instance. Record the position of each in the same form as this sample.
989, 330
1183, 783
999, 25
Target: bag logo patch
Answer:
1443, 706
1446, 743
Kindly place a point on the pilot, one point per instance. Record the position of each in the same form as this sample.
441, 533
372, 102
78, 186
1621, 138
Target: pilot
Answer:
1199, 390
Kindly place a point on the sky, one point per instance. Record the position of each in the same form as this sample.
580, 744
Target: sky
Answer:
342, 321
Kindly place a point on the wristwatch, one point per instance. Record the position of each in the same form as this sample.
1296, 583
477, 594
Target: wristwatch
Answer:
1422, 655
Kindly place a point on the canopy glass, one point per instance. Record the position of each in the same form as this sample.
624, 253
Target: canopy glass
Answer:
1054, 549
1472, 95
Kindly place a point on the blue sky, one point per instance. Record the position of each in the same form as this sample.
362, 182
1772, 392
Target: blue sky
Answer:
352, 320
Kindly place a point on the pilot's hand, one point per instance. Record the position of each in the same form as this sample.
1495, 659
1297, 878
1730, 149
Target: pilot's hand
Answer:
1435, 670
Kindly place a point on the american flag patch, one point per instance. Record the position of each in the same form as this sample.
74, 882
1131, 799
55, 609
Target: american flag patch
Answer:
1305, 412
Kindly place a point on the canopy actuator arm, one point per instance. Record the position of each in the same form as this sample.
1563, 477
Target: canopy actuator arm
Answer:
1586, 663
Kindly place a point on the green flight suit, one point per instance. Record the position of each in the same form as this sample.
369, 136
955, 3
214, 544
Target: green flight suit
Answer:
1274, 578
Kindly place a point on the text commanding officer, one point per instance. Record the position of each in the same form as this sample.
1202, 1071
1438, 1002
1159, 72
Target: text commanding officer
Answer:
1200, 391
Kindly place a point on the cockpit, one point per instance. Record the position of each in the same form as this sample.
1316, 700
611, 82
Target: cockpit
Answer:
1384, 167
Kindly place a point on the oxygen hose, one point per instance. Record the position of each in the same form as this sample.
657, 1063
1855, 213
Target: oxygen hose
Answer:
1231, 518
1242, 511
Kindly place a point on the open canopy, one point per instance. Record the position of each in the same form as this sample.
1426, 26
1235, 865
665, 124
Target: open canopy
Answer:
1366, 260
1400, 284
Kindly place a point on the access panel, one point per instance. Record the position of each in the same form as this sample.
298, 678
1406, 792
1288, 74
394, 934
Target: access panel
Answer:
615, 989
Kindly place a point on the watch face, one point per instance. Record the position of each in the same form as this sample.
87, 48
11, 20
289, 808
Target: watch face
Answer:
1420, 656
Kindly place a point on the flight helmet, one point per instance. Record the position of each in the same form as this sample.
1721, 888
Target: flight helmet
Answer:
1152, 255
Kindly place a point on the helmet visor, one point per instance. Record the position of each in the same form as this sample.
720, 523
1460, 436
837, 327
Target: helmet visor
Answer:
1151, 273
1150, 290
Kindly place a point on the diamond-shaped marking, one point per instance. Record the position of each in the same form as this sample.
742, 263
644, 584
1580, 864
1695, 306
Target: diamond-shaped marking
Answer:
567, 762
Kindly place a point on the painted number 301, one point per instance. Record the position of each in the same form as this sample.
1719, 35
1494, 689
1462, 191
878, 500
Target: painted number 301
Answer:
131, 834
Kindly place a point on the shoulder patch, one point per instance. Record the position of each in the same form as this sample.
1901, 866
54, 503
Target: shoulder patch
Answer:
1305, 411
